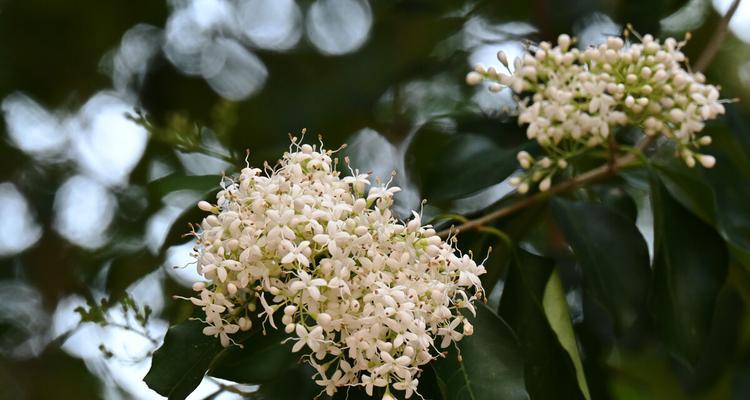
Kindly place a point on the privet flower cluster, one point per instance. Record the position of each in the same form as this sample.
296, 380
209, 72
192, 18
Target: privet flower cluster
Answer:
365, 298
578, 98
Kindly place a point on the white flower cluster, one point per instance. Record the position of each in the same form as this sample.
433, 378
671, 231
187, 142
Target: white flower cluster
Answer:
578, 98
367, 299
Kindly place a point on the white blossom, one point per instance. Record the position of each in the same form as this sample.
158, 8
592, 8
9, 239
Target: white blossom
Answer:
362, 295
574, 99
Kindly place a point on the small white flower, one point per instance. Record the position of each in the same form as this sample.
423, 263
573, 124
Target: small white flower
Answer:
614, 85
313, 339
222, 332
408, 385
355, 284
449, 333
369, 382
297, 253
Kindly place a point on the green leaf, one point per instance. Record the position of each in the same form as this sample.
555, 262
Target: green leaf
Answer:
179, 181
550, 373
718, 195
490, 366
690, 266
617, 199
179, 365
296, 384
558, 315
613, 255
730, 182
688, 186
128, 268
179, 231
261, 359
449, 167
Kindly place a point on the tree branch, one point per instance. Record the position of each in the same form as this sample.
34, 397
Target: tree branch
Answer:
601, 172
709, 52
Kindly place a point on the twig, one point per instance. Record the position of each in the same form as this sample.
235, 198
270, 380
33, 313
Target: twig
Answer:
595, 174
709, 52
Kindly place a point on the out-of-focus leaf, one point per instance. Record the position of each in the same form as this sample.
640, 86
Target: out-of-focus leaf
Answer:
549, 372
490, 366
53, 374
261, 359
128, 268
179, 365
690, 265
727, 336
178, 181
558, 315
730, 181
179, 231
613, 255
741, 384
616, 199
453, 166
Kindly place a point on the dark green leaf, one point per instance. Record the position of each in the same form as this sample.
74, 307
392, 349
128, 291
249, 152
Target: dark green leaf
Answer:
616, 199
179, 365
719, 194
613, 255
53, 374
730, 181
178, 232
688, 186
490, 366
261, 359
178, 181
128, 268
453, 166
549, 370
690, 265
296, 384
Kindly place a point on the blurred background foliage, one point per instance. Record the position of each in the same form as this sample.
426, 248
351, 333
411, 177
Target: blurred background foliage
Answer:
119, 116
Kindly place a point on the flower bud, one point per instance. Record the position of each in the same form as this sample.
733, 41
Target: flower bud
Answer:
677, 115
206, 206
564, 42
232, 289
474, 78
245, 324
468, 328
545, 184
323, 319
706, 160
502, 58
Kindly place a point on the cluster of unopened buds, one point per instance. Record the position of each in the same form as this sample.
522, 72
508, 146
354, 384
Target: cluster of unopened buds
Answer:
575, 99
366, 299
